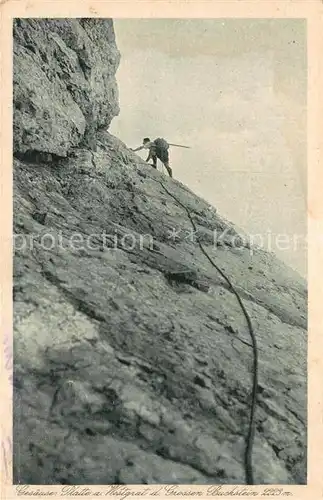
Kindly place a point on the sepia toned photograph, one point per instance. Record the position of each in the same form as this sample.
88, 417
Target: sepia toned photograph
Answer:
160, 252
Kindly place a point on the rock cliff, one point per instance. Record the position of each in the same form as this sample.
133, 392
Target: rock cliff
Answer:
133, 360
64, 83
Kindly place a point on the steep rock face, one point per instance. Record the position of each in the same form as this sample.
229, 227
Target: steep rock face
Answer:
132, 356
64, 83
133, 360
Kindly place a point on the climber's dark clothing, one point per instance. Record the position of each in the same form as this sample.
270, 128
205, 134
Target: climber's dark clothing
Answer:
162, 154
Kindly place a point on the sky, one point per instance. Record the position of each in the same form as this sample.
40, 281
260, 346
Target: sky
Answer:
234, 90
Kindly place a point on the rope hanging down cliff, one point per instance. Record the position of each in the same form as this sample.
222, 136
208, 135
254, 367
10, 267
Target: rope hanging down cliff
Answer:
251, 431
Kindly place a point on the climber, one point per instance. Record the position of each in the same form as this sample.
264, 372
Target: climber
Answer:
157, 149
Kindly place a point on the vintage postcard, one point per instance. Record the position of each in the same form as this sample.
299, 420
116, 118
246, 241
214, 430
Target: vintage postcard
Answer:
161, 233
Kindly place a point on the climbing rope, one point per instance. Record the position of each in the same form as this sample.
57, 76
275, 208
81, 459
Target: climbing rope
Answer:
252, 422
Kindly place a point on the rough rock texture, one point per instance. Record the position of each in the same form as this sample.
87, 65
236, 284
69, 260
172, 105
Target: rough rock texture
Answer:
133, 361
64, 83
